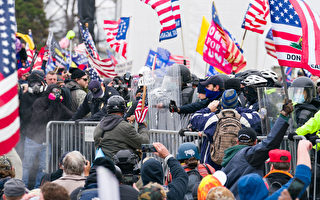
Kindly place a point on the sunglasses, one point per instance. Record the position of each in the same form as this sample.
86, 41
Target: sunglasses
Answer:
85, 79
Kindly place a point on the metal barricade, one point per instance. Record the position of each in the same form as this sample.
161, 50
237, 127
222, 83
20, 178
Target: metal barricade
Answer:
64, 136
315, 170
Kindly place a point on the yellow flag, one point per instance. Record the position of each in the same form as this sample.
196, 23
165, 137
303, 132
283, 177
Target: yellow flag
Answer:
205, 25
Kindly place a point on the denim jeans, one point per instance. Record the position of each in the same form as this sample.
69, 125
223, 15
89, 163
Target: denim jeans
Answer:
32, 150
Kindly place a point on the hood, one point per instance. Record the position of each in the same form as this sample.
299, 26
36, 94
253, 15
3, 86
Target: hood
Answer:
110, 121
151, 171
72, 85
252, 187
230, 152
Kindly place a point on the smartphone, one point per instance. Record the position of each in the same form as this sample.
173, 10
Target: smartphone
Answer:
295, 188
148, 148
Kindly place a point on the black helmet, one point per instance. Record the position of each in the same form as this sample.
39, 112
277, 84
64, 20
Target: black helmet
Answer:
245, 74
116, 104
184, 73
302, 86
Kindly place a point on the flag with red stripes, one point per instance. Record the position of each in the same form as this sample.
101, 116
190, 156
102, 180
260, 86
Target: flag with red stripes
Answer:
9, 102
104, 67
166, 17
176, 12
179, 60
140, 114
269, 44
296, 33
255, 18
112, 30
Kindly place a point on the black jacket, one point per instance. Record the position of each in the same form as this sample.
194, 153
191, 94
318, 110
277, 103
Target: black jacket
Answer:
251, 159
94, 105
194, 107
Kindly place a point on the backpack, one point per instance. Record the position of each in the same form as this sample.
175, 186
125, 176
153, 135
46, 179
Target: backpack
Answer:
194, 179
88, 194
226, 134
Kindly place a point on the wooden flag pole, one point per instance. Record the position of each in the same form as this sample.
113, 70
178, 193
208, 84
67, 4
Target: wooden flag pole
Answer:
144, 96
284, 81
244, 36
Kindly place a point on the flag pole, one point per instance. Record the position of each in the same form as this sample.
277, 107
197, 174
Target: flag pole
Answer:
144, 83
183, 50
244, 36
284, 81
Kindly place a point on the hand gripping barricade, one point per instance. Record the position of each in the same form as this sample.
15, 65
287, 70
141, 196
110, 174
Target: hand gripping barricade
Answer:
165, 86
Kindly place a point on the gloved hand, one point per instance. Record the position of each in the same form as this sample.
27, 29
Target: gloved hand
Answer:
312, 138
291, 135
173, 106
287, 108
181, 132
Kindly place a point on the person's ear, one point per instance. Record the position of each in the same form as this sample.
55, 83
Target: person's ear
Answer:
255, 142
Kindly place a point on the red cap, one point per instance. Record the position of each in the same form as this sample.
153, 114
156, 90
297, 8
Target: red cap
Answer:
278, 155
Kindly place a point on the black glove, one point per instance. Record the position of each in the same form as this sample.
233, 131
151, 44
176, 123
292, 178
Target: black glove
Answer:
312, 138
287, 107
181, 132
291, 135
173, 106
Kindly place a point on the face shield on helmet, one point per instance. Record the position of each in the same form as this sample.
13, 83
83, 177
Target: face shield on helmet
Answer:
300, 95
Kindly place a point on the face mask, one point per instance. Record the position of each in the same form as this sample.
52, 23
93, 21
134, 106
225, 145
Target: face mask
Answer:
212, 95
55, 97
299, 99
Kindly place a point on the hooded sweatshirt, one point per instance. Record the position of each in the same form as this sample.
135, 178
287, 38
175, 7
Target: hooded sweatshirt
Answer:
151, 171
252, 187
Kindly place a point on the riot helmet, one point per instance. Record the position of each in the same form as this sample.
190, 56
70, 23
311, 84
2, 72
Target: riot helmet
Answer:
302, 90
116, 104
250, 90
185, 73
245, 74
271, 77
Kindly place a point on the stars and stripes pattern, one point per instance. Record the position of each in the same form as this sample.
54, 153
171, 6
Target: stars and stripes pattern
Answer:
140, 114
103, 67
179, 60
255, 18
9, 103
176, 12
166, 17
112, 33
269, 44
296, 33
30, 52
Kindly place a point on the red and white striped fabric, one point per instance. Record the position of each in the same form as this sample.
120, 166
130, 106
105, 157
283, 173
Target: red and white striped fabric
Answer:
296, 34
234, 55
30, 54
80, 49
111, 28
104, 67
140, 114
256, 16
180, 60
176, 12
269, 44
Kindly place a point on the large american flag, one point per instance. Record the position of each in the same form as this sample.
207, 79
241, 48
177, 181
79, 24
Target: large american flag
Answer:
179, 60
102, 66
112, 30
255, 18
296, 34
176, 12
9, 104
269, 44
140, 114
166, 17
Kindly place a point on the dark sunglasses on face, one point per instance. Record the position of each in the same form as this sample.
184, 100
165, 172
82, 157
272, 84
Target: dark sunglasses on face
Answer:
85, 79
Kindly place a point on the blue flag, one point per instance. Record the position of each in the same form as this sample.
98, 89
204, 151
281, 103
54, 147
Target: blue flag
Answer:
123, 28
212, 71
215, 16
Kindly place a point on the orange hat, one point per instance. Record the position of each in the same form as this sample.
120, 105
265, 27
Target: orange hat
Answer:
219, 178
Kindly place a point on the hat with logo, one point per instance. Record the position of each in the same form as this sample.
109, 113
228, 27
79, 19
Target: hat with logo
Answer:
215, 80
247, 135
95, 87
278, 155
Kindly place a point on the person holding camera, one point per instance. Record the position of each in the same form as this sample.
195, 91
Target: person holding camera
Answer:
113, 133
152, 172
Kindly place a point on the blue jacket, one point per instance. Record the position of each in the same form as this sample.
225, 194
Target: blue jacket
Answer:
251, 159
206, 121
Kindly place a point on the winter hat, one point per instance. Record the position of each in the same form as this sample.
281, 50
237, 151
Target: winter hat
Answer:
252, 187
220, 193
229, 99
152, 191
95, 87
76, 73
14, 188
233, 83
201, 88
105, 162
5, 163
219, 178
151, 171
247, 135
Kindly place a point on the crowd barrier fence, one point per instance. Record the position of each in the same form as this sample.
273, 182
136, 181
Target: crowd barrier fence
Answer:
65, 136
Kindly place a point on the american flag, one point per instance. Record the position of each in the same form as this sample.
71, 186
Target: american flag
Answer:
176, 12
30, 52
114, 31
289, 74
166, 17
179, 60
140, 114
296, 34
9, 103
102, 66
255, 18
269, 44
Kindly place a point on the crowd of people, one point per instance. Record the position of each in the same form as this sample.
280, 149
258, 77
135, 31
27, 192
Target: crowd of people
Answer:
224, 110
